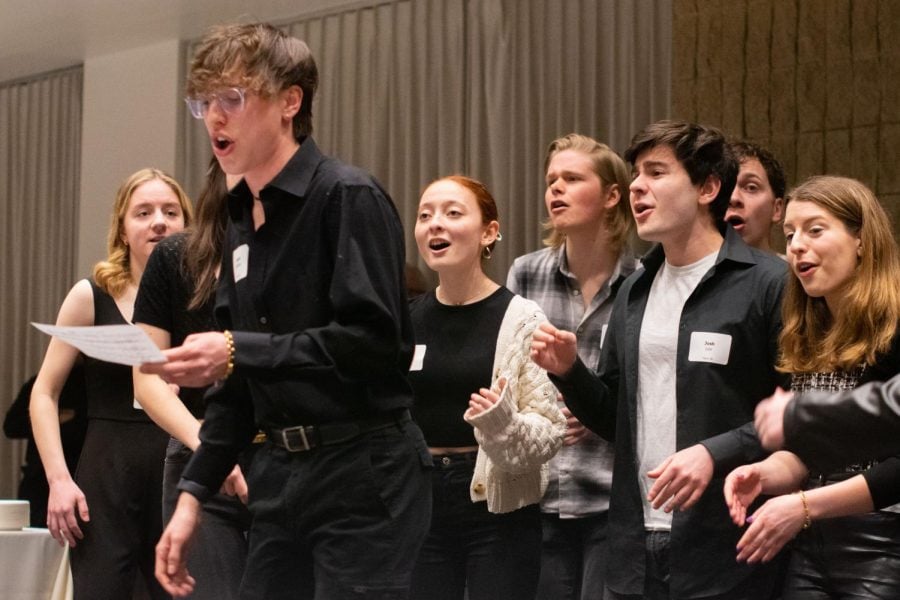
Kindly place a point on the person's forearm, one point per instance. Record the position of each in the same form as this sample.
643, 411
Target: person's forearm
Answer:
781, 473
45, 428
841, 499
166, 409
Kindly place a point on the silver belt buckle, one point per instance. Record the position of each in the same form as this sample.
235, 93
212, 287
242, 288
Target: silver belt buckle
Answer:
287, 444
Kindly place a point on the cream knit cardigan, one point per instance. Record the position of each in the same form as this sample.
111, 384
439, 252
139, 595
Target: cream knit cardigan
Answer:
518, 435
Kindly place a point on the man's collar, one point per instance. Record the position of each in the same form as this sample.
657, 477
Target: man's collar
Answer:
626, 264
293, 178
733, 248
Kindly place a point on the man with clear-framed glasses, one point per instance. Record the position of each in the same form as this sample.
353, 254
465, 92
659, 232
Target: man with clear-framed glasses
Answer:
316, 345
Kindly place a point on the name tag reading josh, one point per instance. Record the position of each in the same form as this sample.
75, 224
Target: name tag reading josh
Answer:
239, 259
418, 358
710, 347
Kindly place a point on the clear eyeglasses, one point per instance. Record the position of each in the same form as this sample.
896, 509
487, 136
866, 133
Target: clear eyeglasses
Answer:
231, 101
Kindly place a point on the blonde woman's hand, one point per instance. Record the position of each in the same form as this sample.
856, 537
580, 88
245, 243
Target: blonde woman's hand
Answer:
66, 504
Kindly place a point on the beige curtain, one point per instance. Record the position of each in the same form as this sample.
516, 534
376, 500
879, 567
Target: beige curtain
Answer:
415, 89
40, 149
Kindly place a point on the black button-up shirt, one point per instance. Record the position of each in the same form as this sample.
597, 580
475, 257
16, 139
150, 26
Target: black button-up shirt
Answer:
315, 298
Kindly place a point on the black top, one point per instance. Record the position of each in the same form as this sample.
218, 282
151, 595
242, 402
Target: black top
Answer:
739, 297
459, 344
318, 309
17, 423
110, 392
162, 302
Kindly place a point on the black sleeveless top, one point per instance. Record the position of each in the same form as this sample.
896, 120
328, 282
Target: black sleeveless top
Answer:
110, 392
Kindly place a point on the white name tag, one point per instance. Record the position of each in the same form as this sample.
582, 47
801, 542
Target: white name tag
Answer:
710, 347
418, 358
239, 259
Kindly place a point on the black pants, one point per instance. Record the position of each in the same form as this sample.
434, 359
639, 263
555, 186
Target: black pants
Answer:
847, 558
573, 557
120, 472
657, 577
338, 522
219, 547
470, 550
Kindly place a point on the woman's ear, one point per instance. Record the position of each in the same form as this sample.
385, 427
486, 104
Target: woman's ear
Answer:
491, 233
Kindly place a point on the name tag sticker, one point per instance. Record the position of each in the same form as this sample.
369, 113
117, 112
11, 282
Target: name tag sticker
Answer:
710, 347
239, 259
418, 358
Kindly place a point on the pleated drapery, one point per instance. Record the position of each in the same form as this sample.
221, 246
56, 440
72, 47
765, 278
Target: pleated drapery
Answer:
40, 149
412, 90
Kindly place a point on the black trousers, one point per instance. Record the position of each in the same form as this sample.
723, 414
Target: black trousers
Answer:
219, 548
120, 472
847, 558
338, 522
472, 551
573, 557
657, 577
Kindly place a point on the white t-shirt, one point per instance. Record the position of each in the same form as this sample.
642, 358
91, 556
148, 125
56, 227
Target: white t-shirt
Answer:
657, 352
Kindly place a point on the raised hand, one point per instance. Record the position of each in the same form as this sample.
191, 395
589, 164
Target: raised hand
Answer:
554, 350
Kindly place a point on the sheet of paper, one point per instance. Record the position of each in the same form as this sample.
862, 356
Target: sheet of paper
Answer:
121, 344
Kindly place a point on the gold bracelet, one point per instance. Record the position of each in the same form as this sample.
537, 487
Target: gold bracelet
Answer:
807, 521
229, 342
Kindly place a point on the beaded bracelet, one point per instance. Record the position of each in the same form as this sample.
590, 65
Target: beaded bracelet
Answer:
229, 342
807, 521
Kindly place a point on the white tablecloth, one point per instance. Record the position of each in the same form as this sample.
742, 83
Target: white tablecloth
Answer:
33, 566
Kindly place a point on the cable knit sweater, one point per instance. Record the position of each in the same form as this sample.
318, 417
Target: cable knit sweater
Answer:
518, 435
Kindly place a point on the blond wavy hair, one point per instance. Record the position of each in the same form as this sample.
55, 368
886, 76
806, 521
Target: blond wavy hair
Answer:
114, 274
814, 339
611, 170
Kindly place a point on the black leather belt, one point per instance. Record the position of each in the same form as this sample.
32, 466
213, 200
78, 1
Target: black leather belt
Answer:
306, 437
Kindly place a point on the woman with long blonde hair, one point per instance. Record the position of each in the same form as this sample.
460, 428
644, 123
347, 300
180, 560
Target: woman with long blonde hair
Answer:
841, 311
109, 513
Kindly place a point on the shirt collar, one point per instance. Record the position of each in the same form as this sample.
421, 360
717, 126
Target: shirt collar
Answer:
733, 249
625, 266
293, 178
